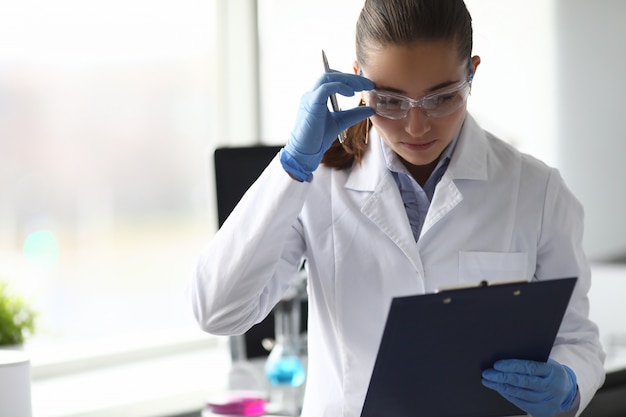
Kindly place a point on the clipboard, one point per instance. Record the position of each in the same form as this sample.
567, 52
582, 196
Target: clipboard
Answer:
435, 346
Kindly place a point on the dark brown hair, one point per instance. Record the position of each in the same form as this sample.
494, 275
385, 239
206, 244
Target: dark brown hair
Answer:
399, 22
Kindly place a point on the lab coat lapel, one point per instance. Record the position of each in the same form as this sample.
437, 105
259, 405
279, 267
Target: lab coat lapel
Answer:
384, 207
469, 162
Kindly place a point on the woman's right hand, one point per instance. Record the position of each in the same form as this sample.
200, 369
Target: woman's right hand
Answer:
317, 127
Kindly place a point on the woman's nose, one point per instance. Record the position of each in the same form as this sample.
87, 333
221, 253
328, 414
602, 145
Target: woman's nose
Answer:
417, 122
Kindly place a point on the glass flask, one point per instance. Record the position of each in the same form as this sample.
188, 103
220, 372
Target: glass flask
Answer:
284, 368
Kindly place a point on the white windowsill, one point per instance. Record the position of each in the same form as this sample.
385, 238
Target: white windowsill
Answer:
158, 381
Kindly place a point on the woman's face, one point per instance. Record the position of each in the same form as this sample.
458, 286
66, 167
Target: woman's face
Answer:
414, 71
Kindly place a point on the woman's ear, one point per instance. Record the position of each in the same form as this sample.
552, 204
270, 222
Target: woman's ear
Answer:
475, 63
355, 68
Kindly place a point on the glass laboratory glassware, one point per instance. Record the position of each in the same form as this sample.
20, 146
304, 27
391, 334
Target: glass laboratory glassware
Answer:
284, 368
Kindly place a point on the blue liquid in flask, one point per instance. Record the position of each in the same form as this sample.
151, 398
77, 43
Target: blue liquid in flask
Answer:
285, 371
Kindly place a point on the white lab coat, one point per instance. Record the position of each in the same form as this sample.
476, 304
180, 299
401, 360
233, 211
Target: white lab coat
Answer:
496, 214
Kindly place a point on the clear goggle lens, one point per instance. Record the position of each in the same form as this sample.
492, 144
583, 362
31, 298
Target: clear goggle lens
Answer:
439, 104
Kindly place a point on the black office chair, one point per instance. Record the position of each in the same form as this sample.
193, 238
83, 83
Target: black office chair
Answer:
236, 168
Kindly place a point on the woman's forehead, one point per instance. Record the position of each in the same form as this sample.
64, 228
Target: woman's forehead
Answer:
424, 66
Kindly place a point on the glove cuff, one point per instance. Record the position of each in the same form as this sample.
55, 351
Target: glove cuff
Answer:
293, 167
572, 378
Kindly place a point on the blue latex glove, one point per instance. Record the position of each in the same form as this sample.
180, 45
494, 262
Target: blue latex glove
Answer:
540, 389
317, 127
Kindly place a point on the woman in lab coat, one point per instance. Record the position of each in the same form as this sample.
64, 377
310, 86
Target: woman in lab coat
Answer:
416, 198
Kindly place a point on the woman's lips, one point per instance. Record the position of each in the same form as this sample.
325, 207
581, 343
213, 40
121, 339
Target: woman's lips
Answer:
418, 146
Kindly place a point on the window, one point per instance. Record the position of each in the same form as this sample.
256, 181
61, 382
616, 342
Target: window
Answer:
105, 118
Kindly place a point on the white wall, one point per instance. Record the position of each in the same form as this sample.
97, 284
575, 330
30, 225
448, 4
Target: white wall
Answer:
513, 91
591, 106
292, 36
235, 85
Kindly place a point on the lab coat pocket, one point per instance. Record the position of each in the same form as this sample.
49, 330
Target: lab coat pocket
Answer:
492, 267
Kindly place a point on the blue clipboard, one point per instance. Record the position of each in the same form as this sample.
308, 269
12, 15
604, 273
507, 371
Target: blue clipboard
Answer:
435, 346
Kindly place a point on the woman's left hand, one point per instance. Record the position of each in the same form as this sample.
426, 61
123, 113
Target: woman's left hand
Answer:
540, 389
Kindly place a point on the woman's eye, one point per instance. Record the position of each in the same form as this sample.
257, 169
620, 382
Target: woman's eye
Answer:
442, 100
390, 102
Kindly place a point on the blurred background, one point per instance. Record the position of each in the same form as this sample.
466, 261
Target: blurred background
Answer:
105, 118
110, 111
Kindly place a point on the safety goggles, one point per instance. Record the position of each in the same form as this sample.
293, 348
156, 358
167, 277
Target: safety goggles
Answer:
438, 104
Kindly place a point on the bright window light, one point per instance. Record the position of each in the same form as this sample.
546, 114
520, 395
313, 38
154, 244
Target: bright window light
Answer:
105, 122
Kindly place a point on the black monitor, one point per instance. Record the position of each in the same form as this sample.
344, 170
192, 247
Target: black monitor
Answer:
236, 169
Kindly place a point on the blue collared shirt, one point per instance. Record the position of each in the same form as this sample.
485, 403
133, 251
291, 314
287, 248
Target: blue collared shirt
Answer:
417, 199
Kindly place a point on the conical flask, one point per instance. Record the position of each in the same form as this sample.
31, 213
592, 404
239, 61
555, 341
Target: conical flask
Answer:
284, 368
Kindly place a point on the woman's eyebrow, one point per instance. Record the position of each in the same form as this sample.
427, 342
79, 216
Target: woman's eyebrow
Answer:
441, 86
429, 90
